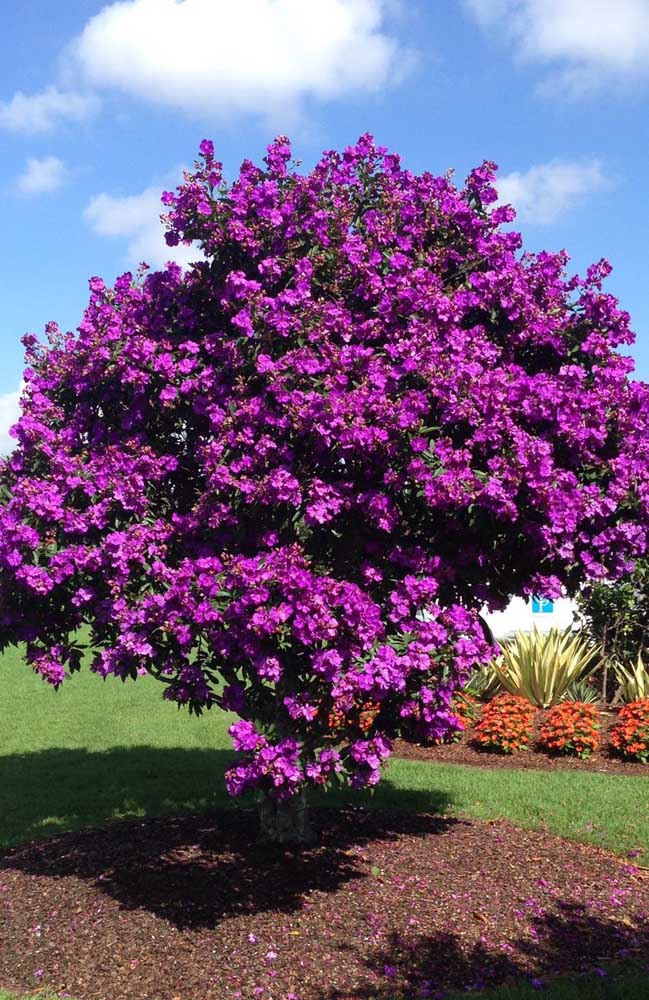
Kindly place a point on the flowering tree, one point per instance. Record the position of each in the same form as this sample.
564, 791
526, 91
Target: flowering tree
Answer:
284, 482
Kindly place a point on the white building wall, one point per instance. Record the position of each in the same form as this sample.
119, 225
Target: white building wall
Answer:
518, 616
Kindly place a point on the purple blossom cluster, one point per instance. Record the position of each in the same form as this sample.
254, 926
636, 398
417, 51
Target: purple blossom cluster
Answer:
284, 482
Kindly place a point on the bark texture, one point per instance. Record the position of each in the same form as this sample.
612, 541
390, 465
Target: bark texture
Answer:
285, 821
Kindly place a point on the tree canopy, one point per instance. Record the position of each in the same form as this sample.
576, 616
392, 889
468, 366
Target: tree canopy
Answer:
285, 481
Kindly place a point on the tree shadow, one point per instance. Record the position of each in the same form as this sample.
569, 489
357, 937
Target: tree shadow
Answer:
192, 870
570, 939
53, 790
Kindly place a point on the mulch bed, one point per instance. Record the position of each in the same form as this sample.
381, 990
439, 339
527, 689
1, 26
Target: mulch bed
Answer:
463, 752
192, 908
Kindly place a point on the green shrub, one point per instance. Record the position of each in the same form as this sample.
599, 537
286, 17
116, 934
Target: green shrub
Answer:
582, 691
484, 683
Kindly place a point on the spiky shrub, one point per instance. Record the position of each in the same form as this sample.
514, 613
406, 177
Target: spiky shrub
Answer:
505, 724
541, 666
582, 691
571, 728
484, 682
288, 479
630, 734
633, 680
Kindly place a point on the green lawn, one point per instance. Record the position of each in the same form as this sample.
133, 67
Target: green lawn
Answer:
27, 996
96, 751
607, 810
617, 985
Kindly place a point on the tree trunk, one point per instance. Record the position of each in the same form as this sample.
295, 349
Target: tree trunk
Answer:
605, 681
285, 821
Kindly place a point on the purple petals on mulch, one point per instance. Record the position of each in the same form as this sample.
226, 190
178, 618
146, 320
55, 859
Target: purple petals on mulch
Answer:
191, 909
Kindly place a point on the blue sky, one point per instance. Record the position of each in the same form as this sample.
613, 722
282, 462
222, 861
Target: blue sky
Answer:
101, 108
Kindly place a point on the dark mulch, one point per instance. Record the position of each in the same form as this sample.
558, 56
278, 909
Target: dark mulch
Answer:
192, 908
604, 760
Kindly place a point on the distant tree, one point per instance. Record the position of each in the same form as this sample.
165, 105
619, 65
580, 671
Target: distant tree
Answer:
285, 482
616, 616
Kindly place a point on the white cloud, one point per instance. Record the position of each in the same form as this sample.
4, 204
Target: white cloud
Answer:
9, 413
136, 217
543, 193
42, 176
223, 58
590, 42
37, 113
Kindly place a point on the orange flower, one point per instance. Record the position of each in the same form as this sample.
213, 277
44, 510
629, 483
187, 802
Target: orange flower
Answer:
571, 728
630, 735
506, 724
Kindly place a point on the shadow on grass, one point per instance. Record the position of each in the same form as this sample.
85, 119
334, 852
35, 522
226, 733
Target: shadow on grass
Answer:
567, 939
55, 790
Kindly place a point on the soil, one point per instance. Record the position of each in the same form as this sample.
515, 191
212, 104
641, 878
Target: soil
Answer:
385, 905
604, 760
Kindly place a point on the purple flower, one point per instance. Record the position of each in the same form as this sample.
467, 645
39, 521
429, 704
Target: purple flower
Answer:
233, 699
298, 707
244, 736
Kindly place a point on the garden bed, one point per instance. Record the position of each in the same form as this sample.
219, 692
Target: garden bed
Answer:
192, 908
463, 751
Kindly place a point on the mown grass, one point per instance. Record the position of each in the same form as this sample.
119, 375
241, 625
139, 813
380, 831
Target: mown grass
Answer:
26, 996
607, 810
618, 984
95, 751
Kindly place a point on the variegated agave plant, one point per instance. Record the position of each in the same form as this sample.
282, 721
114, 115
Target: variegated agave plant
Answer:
541, 666
484, 683
633, 680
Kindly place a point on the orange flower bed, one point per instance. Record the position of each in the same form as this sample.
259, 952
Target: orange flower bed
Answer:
630, 735
506, 724
367, 714
571, 728
466, 708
